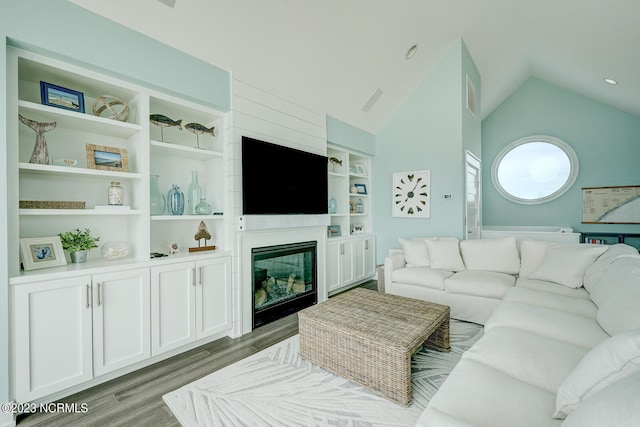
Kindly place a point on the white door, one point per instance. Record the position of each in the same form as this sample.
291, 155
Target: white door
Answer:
173, 317
213, 296
121, 319
52, 336
472, 202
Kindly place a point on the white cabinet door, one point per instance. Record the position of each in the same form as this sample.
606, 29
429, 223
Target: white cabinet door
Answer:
213, 296
365, 257
369, 256
173, 306
52, 321
347, 260
334, 266
121, 319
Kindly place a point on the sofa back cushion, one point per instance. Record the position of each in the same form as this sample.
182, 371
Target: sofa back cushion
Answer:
617, 296
531, 255
614, 359
498, 255
567, 264
445, 254
415, 253
595, 271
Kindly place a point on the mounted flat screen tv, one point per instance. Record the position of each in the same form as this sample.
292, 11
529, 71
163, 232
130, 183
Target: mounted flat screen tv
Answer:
278, 180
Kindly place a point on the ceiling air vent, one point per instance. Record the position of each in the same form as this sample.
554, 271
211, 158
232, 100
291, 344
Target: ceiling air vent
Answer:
374, 98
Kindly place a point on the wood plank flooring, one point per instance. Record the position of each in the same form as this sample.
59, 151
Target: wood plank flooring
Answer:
135, 399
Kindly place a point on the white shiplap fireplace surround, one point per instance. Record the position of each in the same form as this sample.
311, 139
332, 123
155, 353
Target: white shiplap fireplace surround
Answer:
265, 116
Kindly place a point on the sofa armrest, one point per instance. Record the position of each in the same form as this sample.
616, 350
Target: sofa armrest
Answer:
391, 263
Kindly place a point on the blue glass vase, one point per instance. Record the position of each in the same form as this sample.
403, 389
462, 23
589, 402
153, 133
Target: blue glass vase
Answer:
175, 201
333, 205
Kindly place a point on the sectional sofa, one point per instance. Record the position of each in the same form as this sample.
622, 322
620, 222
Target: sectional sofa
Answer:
561, 343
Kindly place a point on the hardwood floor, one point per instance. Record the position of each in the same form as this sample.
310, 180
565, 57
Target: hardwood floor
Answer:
135, 399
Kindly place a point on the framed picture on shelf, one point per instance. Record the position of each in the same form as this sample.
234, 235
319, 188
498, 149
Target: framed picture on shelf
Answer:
107, 158
61, 97
360, 188
42, 252
357, 228
360, 170
334, 231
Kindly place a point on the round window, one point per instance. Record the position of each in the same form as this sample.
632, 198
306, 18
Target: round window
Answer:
535, 169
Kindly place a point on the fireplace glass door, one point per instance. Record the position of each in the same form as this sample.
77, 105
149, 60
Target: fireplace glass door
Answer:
284, 280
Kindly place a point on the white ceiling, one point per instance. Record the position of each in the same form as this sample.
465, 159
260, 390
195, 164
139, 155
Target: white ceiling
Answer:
331, 55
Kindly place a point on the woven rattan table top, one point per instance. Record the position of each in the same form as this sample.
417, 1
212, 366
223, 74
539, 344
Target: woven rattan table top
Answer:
388, 319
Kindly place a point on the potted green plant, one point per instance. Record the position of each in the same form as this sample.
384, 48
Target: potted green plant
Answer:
78, 243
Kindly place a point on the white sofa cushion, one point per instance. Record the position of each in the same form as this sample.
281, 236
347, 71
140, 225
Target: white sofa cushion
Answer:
499, 255
550, 323
486, 284
608, 362
421, 276
535, 359
554, 288
531, 255
595, 271
415, 253
569, 304
478, 395
620, 312
622, 270
617, 405
567, 264
445, 254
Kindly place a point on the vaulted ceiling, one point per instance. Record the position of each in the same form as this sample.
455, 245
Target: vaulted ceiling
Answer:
332, 55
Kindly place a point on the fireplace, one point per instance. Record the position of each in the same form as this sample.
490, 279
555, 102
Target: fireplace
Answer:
284, 280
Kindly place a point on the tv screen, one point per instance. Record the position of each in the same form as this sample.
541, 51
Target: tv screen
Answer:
278, 180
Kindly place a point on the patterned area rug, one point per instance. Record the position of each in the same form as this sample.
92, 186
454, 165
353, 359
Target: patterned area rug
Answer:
275, 387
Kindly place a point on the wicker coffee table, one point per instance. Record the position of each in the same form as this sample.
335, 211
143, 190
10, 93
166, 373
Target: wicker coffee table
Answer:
369, 338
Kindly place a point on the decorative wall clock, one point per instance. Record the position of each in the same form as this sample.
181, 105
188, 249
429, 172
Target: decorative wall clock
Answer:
411, 192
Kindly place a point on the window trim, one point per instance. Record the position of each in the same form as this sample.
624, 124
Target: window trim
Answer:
568, 150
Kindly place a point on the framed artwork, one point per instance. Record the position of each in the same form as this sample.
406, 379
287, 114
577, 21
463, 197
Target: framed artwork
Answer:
410, 198
42, 252
360, 169
360, 188
334, 231
61, 97
107, 158
357, 228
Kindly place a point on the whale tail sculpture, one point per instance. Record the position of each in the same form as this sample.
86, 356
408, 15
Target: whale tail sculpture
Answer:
40, 153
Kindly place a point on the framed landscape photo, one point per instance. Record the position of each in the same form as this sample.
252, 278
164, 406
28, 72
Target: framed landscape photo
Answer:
61, 97
107, 158
42, 252
360, 188
334, 231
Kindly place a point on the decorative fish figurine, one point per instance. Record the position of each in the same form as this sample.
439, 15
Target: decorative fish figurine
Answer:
198, 129
335, 161
163, 122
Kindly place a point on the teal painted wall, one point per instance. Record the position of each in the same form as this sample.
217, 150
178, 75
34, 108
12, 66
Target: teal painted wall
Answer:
88, 40
350, 137
427, 133
606, 140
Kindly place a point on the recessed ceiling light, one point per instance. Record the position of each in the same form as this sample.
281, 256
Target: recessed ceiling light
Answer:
411, 52
611, 81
